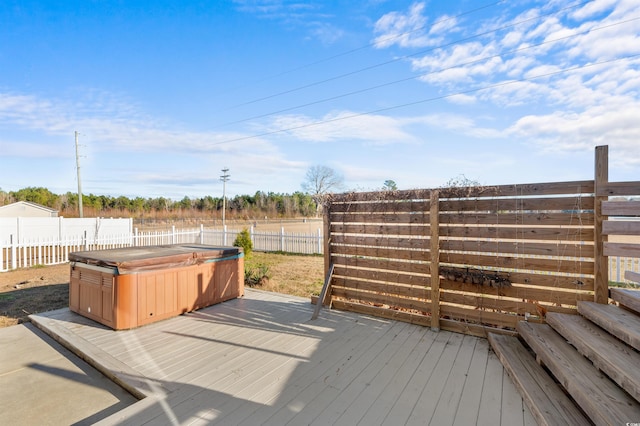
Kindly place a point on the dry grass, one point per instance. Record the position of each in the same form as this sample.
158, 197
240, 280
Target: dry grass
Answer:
288, 274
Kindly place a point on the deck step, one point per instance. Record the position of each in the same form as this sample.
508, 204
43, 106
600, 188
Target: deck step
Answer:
616, 359
630, 299
620, 322
547, 402
599, 397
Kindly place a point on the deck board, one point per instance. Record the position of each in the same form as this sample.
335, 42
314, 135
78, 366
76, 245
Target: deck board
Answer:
262, 360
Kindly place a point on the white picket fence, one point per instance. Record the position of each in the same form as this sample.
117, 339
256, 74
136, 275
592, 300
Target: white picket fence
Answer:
50, 251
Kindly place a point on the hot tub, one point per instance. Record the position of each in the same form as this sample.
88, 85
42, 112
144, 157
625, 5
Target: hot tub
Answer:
129, 287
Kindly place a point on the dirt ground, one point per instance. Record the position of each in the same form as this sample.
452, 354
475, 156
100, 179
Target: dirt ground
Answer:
32, 290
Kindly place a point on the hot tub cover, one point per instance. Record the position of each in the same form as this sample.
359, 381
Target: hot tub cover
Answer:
136, 259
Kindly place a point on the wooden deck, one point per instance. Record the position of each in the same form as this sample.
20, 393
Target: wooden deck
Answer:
262, 360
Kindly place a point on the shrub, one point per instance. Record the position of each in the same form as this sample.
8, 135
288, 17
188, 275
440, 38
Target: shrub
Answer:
257, 275
244, 240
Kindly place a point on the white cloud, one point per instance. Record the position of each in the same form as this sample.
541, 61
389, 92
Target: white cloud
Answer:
343, 125
403, 29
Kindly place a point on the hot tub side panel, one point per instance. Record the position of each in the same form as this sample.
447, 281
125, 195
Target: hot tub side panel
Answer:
91, 294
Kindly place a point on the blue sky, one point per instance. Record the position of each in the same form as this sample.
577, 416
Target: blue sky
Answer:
165, 94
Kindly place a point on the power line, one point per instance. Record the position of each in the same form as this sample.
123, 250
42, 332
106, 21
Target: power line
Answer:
414, 77
400, 58
422, 101
351, 51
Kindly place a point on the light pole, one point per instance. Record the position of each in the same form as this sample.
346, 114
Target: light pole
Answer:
224, 178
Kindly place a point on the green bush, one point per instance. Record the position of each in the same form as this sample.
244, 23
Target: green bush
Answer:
256, 275
244, 240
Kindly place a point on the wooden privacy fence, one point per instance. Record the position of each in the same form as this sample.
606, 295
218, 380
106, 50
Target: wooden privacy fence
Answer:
465, 259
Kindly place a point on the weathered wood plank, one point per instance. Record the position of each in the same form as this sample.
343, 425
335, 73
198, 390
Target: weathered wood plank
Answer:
610, 189
473, 218
632, 276
381, 299
365, 229
519, 204
522, 264
621, 249
514, 190
598, 396
491, 403
606, 352
620, 322
523, 248
382, 206
381, 241
626, 297
427, 402
497, 319
621, 208
380, 407
469, 405
560, 234
528, 219
548, 404
621, 227
388, 288
414, 267
381, 253
449, 399
522, 292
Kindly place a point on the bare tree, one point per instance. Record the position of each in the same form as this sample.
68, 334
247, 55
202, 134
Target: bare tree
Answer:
320, 181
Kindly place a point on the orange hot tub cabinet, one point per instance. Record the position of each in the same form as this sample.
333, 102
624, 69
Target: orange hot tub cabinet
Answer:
129, 287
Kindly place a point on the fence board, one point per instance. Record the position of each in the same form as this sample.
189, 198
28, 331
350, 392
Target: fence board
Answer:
619, 189
621, 208
377, 206
519, 204
520, 248
413, 267
400, 229
621, 249
391, 289
519, 233
529, 219
620, 227
569, 266
382, 241
386, 276
381, 253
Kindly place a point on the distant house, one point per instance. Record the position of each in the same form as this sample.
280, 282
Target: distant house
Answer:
27, 209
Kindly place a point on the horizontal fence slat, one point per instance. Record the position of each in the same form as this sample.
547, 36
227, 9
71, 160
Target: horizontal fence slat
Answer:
621, 249
532, 219
518, 233
416, 229
381, 206
518, 204
382, 276
570, 266
621, 227
382, 241
519, 247
381, 253
413, 267
621, 208
619, 189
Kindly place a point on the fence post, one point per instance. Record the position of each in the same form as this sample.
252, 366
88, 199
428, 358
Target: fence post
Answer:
224, 235
434, 269
601, 275
319, 241
173, 234
282, 238
326, 226
201, 233
14, 258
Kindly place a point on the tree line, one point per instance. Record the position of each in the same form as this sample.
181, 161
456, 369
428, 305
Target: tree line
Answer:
255, 206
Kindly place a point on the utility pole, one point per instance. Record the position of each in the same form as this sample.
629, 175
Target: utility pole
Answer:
224, 178
79, 184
